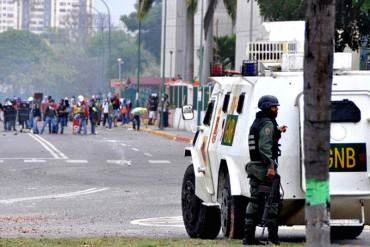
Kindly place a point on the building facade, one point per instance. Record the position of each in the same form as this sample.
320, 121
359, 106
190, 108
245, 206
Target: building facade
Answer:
176, 34
41, 15
10, 14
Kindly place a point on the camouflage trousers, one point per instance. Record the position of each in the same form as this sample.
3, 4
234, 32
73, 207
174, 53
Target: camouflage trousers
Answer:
256, 205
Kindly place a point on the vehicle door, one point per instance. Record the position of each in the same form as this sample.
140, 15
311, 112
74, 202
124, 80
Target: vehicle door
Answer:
203, 142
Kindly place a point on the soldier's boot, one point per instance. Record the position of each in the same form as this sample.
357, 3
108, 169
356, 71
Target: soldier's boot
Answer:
273, 235
249, 236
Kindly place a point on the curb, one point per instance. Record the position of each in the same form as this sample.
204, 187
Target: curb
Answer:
169, 136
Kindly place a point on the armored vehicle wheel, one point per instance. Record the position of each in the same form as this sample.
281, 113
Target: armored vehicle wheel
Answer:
232, 213
345, 232
200, 221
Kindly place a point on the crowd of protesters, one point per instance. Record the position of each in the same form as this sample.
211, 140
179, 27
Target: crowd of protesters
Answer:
35, 114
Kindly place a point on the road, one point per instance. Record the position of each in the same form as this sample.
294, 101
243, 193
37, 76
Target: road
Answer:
119, 182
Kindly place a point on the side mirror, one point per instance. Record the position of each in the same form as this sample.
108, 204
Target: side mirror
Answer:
187, 112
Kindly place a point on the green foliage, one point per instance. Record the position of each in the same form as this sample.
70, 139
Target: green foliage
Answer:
123, 46
282, 10
191, 7
150, 28
352, 23
352, 18
144, 7
55, 65
225, 50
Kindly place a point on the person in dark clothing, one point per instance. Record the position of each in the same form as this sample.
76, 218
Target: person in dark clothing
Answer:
264, 151
93, 115
62, 115
49, 116
36, 116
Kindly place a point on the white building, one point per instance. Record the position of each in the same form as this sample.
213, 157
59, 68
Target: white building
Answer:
10, 15
41, 15
176, 34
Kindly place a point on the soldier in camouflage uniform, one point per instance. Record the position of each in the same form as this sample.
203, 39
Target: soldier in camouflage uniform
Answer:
264, 150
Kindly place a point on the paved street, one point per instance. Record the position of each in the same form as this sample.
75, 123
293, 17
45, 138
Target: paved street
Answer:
119, 182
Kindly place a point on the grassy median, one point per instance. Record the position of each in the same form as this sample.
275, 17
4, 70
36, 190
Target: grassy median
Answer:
119, 241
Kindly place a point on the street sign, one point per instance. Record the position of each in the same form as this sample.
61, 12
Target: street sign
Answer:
116, 83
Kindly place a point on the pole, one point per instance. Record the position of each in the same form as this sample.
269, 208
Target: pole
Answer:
171, 53
251, 22
138, 65
163, 62
200, 65
119, 60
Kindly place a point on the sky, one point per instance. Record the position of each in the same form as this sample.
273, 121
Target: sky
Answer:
117, 8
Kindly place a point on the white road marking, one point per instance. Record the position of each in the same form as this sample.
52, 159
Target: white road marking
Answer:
33, 158
177, 221
120, 162
45, 146
135, 149
62, 155
34, 161
77, 161
148, 154
123, 145
113, 141
159, 162
1, 161
65, 195
160, 222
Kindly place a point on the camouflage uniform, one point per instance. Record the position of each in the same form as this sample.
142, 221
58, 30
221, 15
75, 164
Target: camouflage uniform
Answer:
264, 151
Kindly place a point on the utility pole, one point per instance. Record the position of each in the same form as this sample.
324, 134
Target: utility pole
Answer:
199, 101
163, 62
138, 65
318, 76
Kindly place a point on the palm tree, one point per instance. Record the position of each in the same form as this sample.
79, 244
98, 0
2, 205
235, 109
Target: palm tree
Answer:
231, 6
318, 75
143, 8
191, 7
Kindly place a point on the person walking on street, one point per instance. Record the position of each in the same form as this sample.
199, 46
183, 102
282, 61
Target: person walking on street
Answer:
94, 116
62, 115
116, 107
36, 116
264, 150
83, 112
107, 111
152, 107
49, 116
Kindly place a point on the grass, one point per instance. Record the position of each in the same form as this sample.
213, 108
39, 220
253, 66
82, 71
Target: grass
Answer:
120, 241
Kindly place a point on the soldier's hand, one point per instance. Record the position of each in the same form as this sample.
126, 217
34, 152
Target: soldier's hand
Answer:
283, 128
270, 173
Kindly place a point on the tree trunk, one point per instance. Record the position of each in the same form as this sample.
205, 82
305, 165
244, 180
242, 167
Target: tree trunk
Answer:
318, 75
208, 53
189, 49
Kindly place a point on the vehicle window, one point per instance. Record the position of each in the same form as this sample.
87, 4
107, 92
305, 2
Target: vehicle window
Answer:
345, 111
208, 116
240, 103
226, 102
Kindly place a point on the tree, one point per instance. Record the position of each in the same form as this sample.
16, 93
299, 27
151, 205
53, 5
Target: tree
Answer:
208, 28
352, 24
191, 7
225, 50
150, 28
318, 75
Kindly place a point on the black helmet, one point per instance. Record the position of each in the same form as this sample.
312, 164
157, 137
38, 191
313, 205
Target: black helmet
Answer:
266, 101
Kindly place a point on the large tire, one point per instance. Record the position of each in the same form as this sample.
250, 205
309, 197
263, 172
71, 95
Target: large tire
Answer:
345, 232
200, 221
232, 212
